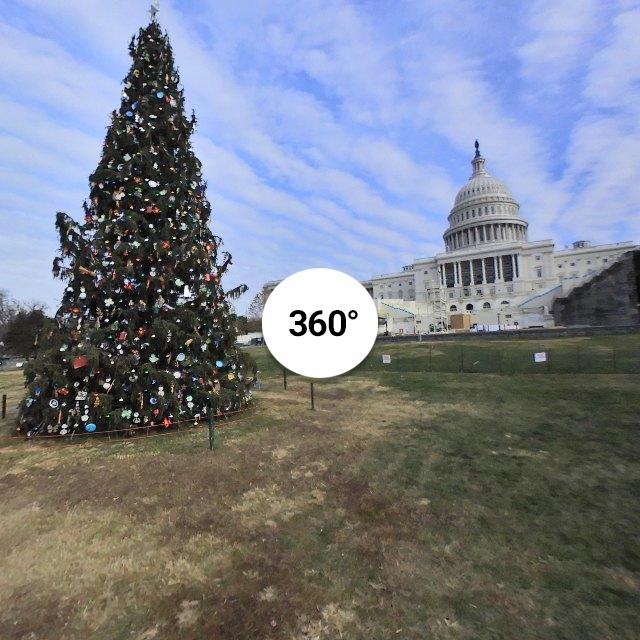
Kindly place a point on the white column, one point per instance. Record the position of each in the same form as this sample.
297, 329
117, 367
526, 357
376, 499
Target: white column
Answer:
496, 266
471, 282
484, 273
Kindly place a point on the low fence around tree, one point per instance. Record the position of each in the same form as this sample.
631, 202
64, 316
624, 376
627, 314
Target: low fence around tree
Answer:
602, 355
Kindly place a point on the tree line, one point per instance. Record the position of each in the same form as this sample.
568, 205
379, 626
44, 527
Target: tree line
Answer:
20, 326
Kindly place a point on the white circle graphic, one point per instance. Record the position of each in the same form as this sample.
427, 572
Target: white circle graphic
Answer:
319, 323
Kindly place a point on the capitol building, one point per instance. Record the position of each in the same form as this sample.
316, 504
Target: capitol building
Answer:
490, 274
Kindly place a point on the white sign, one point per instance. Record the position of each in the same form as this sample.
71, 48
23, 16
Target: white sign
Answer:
541, 356
386, 358
320, 323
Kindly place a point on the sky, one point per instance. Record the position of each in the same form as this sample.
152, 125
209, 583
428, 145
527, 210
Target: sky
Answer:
332, 133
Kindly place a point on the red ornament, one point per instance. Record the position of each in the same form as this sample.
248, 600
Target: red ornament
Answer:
166, 422
80, 361
122, 335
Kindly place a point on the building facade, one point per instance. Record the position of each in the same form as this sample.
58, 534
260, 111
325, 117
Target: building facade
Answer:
489, 267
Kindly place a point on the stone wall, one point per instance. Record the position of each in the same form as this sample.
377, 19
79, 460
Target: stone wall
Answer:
609, 299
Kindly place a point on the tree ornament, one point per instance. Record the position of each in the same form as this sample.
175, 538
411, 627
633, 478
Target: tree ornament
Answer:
79, 362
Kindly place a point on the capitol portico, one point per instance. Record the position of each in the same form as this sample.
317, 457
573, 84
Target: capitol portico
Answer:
489, 268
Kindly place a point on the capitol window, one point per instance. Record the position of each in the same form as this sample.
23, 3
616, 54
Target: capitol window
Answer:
453, 308
486, 305
469, 307
505, 302
538, 272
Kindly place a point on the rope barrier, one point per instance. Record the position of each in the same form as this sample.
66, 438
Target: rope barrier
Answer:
125, 429
172, 432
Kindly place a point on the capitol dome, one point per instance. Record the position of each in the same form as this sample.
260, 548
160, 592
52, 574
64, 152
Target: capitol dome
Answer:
484, 212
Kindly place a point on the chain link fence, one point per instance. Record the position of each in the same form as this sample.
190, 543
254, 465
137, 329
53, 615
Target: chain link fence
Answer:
499, 357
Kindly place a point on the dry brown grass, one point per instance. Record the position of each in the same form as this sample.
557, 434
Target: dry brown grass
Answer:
367, 518
100, 540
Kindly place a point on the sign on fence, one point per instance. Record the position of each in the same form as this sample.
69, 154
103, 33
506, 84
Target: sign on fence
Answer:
386, 358
541, 356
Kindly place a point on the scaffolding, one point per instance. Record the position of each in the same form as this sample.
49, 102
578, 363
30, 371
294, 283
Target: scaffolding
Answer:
436, 297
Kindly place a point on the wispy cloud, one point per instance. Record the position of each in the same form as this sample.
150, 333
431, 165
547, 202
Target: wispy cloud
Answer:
332, 133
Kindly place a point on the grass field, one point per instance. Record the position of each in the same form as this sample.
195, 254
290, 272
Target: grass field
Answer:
409, 504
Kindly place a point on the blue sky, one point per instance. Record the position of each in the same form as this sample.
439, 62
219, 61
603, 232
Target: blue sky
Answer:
332, 133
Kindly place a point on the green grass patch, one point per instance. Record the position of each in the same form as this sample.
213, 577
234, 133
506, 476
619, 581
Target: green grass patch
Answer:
409, 504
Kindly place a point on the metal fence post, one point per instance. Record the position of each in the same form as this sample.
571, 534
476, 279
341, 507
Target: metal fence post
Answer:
312, 398
284, 377
211, 429
4, 406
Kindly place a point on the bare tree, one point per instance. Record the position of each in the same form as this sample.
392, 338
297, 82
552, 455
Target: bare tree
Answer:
254, 312
17, 317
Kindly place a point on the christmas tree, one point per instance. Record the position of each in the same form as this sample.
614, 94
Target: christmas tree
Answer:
145, 335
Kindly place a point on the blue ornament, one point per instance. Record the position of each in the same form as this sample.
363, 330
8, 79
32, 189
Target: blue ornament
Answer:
90, 427
160, 94
153, 400
135, 105
129, 114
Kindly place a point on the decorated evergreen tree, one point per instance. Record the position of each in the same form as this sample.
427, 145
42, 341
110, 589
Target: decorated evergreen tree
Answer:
144, 334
